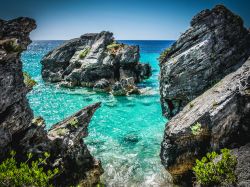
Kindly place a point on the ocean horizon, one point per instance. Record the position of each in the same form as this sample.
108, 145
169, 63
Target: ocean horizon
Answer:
89, 97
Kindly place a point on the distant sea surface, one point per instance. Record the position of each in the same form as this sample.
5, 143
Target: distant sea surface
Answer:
125, 133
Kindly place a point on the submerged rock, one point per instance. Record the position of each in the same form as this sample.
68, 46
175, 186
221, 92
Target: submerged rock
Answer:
20, 131
223, 115
131, 138
215, 45
93, 59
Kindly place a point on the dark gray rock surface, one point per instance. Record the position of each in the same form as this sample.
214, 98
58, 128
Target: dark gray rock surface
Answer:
215, 45
243, 165
15, 112
93, 57
20, 131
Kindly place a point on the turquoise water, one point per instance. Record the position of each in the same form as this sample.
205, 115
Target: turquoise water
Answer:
125, 133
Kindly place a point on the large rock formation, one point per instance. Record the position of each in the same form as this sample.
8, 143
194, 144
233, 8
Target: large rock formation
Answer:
214, 104
216, 44
223, 113
96, 60
20, 133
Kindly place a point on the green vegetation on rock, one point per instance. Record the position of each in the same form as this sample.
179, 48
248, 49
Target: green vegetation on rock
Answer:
28, 173
191, 105
114, 45
28, 81
74, 122
214, 169
215, 103
11, 45
164, 54
100, 185
62, 131
39, 121
84, 53
196, 128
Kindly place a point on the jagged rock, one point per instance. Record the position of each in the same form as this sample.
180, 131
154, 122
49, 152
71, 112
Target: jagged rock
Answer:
20, 131
102, 85
215, 45
117, 89
88, 60
15, 112
124, 87
223, 113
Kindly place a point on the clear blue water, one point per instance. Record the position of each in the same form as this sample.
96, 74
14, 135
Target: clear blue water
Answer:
125, 133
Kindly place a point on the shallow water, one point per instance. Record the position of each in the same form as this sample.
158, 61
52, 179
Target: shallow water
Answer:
125, 133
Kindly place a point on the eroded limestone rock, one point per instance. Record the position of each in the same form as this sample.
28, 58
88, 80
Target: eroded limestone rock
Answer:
223, 113
215, 45
20, 131
89, 60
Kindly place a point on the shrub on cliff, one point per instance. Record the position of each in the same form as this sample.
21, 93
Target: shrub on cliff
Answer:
25, 174
114, 47
84, 53
214, 169
28, 81
196, 129
10, 45
164, 54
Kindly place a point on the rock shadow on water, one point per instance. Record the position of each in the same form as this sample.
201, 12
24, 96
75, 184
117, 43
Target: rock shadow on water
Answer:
111, 103
88, 99
130, 104
130, 139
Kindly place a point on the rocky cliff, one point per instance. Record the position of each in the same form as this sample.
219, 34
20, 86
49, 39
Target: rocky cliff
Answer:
215, 45
20, 131
223, 113
96, 60
205, 76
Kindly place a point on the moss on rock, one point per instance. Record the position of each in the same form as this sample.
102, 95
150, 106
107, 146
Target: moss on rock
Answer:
84, 53
28, 81
10, 45
164, 54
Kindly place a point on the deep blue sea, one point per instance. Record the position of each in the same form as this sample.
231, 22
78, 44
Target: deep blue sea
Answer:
125, 133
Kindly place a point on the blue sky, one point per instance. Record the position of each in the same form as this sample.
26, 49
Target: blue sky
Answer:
127, 19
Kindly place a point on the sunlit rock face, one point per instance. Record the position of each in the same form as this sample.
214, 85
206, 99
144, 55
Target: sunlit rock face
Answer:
204, 85
215, 45
223, 115
94, 59
21, 132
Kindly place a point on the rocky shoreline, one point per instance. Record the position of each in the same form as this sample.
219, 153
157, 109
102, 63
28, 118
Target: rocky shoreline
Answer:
204, 83
97, 61
23, 133
205, 80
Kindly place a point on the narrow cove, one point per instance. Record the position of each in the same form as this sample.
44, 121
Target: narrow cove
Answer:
125, 133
